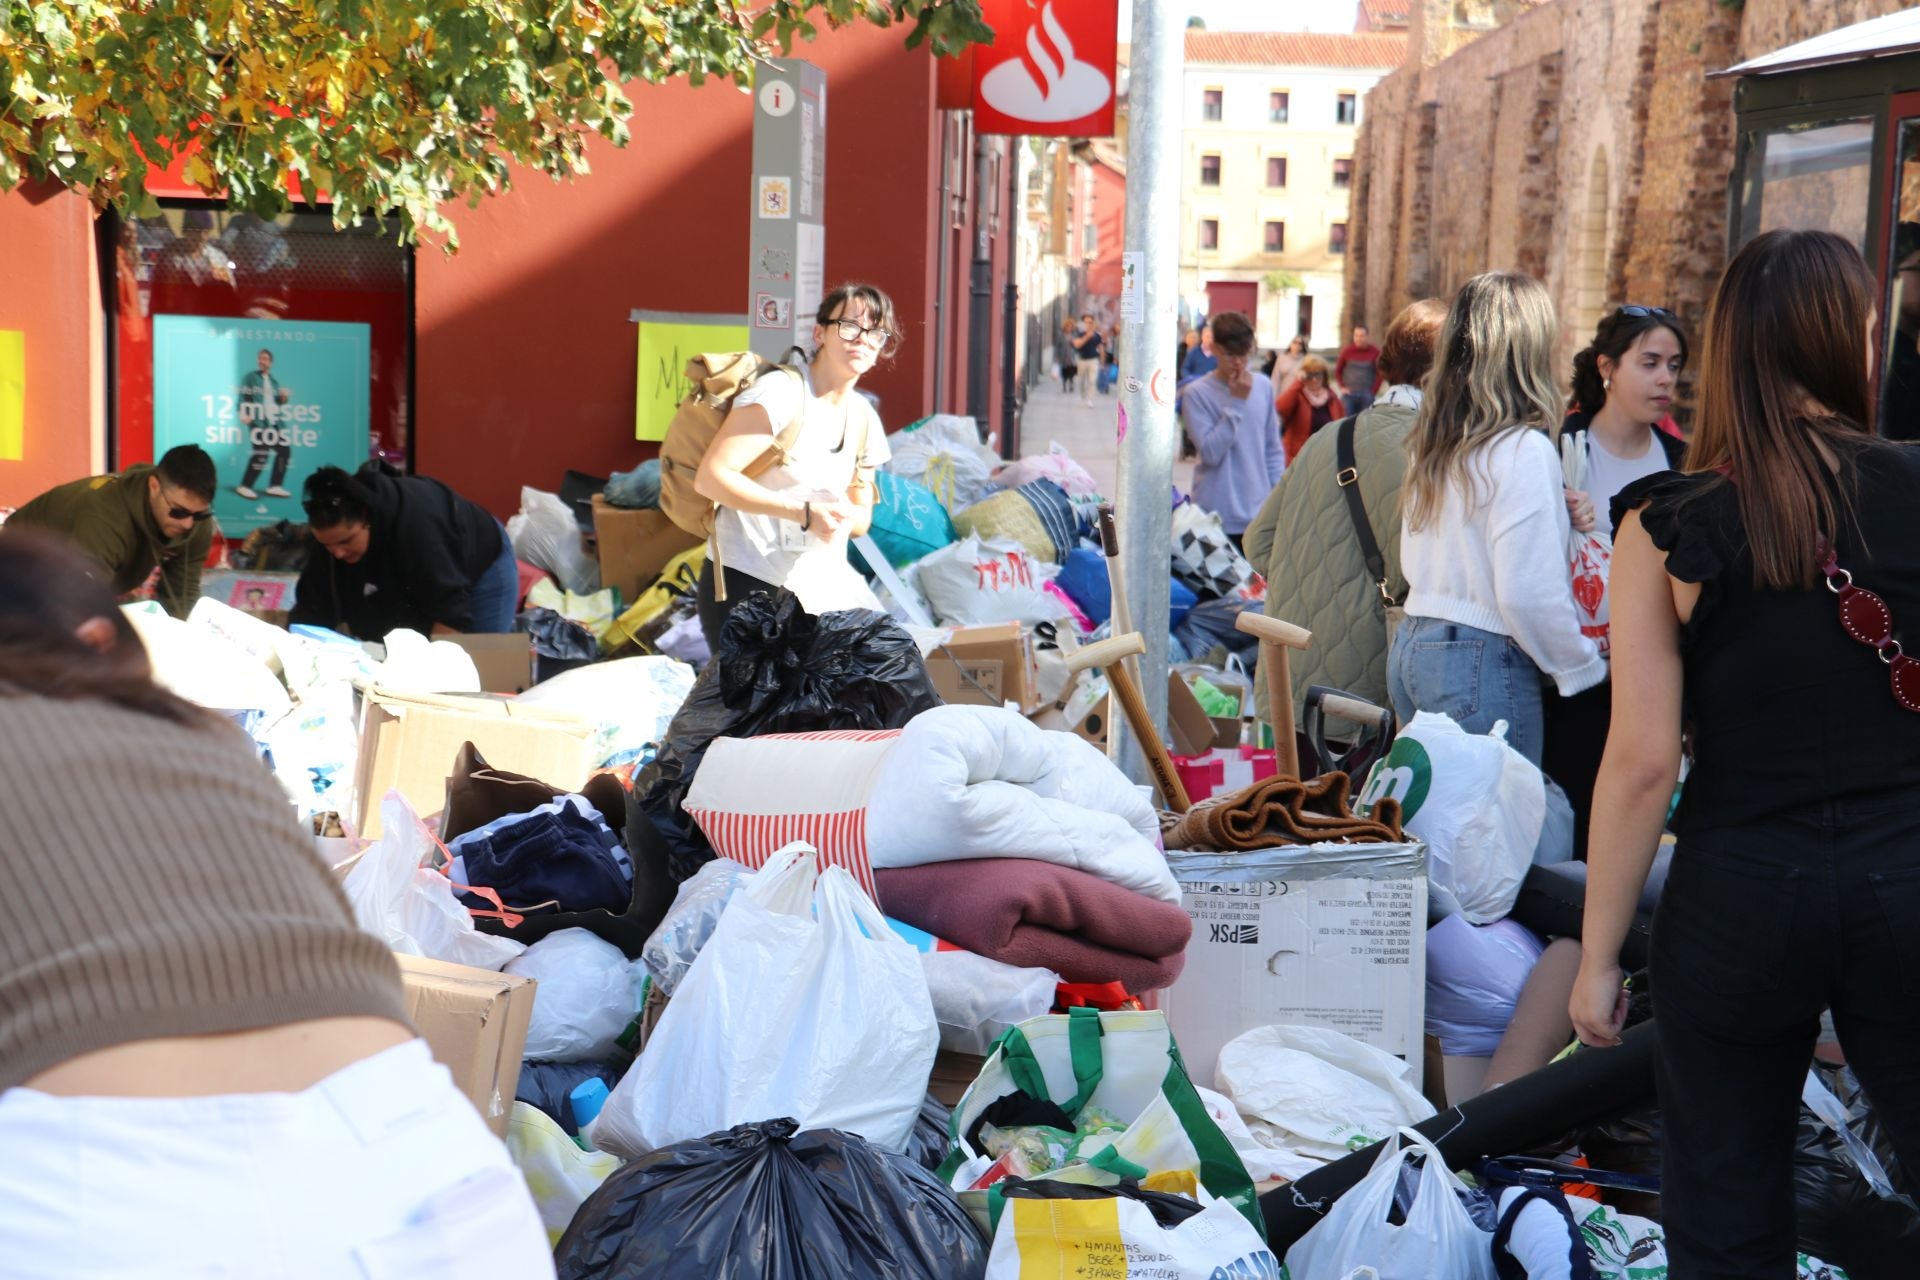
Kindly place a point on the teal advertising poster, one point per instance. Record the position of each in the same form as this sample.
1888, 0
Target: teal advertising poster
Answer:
270, 400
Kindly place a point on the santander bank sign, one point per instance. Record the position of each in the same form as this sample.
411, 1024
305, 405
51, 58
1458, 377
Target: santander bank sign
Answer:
1050, 68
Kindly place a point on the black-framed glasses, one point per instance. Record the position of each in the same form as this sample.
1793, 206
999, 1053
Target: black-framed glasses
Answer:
187, 513
1643, 313
853, 331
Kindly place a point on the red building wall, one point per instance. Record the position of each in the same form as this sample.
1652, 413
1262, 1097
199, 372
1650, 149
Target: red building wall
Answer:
524, 361
1109, 226
49, 288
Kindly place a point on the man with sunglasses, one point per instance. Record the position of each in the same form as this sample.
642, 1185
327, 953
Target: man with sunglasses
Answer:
148, 516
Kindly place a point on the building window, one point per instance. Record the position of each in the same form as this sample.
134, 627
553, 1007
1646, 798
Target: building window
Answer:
1277, 107
1209, 233
1209, 171
1276, 237
1276, 171
1346, 109
1337, 238
1210, 102
1343, 173
1090, 241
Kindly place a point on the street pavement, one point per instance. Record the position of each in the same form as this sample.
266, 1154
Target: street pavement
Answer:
1088, 434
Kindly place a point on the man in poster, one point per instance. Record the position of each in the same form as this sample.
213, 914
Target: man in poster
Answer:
261, 397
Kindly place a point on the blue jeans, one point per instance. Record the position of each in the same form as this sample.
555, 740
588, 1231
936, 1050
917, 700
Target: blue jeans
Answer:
1355, 401
495, 597
1474, 676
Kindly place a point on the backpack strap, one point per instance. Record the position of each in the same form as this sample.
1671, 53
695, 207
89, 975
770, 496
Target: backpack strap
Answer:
1348, 478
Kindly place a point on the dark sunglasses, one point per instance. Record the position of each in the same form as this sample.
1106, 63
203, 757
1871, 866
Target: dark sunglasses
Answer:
1643, 313
185, 513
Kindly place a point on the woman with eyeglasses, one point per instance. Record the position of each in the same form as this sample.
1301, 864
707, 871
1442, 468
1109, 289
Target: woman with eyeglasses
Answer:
1741, 610
1623, 385
205, 1066
1490, 613
788, 526
1306, 403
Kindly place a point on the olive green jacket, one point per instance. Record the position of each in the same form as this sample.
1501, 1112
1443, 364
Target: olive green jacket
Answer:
110, 519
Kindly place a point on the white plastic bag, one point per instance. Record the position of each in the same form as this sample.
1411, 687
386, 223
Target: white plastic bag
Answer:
546, 535
973, 582
1479, 805
632, 700
1474, 976
559, 1174
975, 998
1589, 555
1088, 1238
204, 666
587, 995
1438, 1238
945, 454
411, 908
826, 1020
1317, 1092
416, 664
676, 942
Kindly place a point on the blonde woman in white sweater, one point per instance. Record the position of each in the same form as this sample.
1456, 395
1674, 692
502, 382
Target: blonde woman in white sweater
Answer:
1490, 613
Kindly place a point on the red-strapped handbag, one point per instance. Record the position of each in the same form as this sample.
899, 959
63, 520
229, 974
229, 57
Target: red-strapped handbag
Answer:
1866, 617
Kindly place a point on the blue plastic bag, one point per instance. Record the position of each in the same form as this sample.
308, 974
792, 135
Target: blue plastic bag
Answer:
908, 521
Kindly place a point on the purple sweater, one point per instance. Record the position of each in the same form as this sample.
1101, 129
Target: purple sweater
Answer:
1241, 457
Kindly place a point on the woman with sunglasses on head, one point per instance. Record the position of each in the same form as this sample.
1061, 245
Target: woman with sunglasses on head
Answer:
205, 1065
1796, 883
788, 526
1623, 385
1490, 612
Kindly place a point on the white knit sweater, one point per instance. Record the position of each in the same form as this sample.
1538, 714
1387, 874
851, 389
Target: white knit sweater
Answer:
1496, 558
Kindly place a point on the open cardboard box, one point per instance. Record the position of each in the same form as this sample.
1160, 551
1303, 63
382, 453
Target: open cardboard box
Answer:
1191, 733
409, 742
475, 1022
634, 546
989, 666
504, 660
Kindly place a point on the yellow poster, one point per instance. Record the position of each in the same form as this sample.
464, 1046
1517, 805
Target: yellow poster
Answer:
667, 340
13, 394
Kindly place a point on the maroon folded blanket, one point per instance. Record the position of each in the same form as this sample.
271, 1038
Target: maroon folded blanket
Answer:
1036, 914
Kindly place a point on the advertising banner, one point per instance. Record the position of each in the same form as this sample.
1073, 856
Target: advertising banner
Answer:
271, 400
667, 340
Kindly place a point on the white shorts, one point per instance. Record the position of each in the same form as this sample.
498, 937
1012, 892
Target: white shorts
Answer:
382, 1171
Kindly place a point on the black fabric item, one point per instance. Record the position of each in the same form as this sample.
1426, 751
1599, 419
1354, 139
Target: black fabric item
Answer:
1017, 1110
1576, 738
927, 1144
428, 546
1553, 904
556, 861
1787, 709
1348, 478
576, 490
713, 612
549, 1086
1515, 1117
1211, 622
1168, 1210
776, 669
554, 636
1841, 1219
762, 1202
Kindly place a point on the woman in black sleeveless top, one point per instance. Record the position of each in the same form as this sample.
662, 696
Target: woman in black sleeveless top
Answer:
1796, 884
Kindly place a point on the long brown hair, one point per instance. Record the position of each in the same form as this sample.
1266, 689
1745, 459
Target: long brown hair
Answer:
1783, 394
46, 595
1492, 376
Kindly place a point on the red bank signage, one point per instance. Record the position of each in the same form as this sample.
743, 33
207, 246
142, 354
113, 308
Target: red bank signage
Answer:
1050, 68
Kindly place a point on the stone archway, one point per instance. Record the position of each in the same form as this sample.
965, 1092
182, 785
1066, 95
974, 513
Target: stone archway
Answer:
1590, 267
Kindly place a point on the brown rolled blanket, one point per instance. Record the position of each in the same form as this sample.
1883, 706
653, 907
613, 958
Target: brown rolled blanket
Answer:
1281, 811
1023, 912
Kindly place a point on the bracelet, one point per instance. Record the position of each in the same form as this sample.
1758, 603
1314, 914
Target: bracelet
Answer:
806, 513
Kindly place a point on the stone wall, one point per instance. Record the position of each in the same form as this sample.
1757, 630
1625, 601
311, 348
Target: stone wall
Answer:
1580, 142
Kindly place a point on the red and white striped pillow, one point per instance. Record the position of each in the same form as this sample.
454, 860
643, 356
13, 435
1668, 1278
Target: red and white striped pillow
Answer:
754, 796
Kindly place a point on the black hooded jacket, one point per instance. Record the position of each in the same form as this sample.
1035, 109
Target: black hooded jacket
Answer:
427, 548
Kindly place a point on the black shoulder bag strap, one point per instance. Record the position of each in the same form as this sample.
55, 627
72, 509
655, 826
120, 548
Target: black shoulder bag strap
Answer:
1348, 478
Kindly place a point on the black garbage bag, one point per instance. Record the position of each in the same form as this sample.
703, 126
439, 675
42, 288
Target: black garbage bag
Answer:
927, 1144
1211, 623
1841, 1219
762, 1202
555, 636
779, 669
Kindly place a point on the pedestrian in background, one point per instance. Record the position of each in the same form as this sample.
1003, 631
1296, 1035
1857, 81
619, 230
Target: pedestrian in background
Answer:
1490, 600
1795, 886
1087, 346
1306, 403
1230, 415
1285, 363
1063, 353
1357, 371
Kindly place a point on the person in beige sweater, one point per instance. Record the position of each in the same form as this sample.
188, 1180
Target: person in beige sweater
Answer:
204, 1064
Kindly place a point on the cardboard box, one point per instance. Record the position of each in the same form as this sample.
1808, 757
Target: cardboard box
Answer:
475, 1021
1329, 936
953, 1074
990, 666
408, 743
505, 660
634, 546
1192, 733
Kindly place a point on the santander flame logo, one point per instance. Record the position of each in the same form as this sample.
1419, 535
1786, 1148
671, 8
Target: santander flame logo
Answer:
1049, 85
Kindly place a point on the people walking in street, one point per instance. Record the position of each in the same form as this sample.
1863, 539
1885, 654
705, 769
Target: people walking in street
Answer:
1490, 600
788, 526
146, 517
1285, 363
262, 397
1087, 347
1623, 384
1306, 403
1740, 608
397, 551
1068, 360
1357, 371
1230, 415
1201, 357
204, 1062
1329, 584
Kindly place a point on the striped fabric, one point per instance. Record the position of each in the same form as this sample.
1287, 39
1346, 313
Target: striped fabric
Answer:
754, 796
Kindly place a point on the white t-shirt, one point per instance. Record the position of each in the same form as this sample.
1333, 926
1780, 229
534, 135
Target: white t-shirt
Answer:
1608, 473
824, 461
